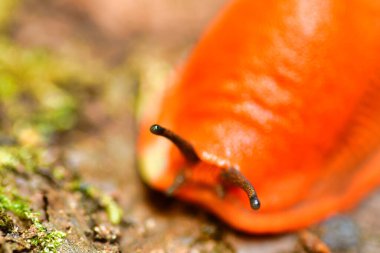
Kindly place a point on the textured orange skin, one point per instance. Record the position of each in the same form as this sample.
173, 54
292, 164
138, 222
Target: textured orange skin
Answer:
287, 92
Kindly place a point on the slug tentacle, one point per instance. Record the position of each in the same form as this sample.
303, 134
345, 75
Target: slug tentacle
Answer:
234, 177
179, 180
186, 148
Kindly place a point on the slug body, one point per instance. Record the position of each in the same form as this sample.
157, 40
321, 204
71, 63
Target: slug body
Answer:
287, 93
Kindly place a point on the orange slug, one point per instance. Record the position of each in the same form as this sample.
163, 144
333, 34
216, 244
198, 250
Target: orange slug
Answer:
274, 121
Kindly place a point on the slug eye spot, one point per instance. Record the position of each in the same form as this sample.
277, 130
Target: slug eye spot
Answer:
255, 203
156, 129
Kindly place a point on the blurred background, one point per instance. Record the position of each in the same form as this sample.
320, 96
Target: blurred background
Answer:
75, 76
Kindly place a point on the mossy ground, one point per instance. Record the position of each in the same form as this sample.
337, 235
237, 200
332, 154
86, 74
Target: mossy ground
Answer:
20, 169
37, 106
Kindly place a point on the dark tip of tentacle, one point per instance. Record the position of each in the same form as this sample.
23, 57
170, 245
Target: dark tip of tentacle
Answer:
255, 203
157, 129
